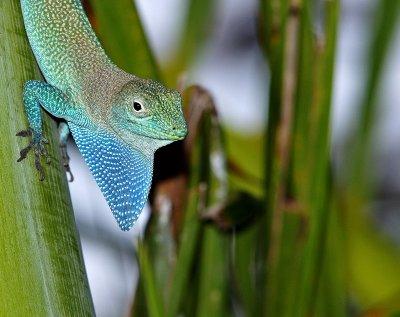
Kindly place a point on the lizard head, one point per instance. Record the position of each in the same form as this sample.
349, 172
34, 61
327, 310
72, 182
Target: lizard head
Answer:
144, 107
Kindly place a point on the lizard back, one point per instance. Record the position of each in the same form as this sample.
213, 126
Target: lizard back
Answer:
65, 46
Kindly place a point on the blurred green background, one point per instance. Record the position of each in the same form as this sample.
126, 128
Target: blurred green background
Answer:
284, 198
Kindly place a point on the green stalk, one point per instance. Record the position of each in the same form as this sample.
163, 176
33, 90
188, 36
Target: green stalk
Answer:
201, 194
320, 184
331, 298
41, 271
277, 37
273, 30
188, 247
212, 296
155, 306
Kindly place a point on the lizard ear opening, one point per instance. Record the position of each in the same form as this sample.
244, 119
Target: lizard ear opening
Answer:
122, 173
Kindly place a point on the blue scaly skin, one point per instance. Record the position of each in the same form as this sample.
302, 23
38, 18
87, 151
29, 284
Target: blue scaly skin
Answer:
117, 119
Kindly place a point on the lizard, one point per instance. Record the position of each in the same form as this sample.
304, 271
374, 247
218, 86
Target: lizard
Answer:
117, 119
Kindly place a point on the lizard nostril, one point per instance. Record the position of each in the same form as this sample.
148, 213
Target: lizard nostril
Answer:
173, 128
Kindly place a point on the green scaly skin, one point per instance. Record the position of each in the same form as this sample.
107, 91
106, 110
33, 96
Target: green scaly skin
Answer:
117, 119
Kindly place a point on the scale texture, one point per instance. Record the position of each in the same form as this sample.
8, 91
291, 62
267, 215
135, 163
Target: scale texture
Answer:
118, 120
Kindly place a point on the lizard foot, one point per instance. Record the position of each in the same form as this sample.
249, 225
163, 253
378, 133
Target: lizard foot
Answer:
65, 158
38, 149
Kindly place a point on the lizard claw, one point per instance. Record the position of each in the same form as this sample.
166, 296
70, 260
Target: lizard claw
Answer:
38, 149
65, 158
71, 176
24, 152
25, 133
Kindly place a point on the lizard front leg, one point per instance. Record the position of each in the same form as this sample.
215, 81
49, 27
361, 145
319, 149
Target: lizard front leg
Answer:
36, 93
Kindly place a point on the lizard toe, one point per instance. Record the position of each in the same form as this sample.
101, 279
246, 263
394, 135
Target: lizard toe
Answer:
23, 153
25, 133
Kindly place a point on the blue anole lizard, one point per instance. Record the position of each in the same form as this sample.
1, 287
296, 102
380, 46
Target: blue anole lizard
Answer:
117, 119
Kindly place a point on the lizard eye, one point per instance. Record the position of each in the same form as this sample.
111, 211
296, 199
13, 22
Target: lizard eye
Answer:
137, 106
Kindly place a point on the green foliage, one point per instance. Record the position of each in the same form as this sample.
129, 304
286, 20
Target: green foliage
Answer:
41, 267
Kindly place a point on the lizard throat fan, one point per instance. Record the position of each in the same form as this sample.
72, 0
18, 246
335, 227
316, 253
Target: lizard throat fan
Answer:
122, 173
